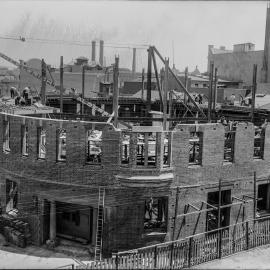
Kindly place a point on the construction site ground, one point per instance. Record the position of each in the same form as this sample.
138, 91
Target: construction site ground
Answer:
257, 258
33, 257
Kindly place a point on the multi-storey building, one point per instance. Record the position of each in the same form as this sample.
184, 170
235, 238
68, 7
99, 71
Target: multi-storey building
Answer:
129, 188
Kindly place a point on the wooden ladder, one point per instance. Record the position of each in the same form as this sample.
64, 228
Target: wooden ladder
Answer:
100, 220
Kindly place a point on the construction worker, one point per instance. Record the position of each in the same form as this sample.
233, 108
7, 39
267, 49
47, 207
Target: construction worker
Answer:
232, 99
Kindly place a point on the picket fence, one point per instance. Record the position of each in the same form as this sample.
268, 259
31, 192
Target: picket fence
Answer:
192, 250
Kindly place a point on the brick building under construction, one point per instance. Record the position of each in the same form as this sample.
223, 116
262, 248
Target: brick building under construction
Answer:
145, 185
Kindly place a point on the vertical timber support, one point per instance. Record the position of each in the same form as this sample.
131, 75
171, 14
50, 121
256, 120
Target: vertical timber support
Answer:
165, 93
210, 91
61, 83
143, 84
115, 91
254, 195
215, 90
254, 88
52, 221
43, 82
83, 85
149, 83
219, 220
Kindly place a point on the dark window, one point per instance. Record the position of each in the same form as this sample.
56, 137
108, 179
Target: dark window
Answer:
66, 215
125, 148
212, 215
263, 198
195, 148
155, 214
229, 142
76, 217
259, 143
94, 141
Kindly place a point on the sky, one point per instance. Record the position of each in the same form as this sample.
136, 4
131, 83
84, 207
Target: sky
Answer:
187, 26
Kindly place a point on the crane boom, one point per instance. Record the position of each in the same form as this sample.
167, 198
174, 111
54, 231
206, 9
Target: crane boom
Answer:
51, 83
27, 69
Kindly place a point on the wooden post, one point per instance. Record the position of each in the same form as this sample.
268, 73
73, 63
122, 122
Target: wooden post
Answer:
149, 84
219, 220
61, 83
254, 195
142, 83
254, 87
247, 236
155, 257
165, 93
116, 261
115, 91
43, 82
83, 81
157, 79
175, 211
215, 91
170, 107
190, 251
186, 84
210, 91
171, 255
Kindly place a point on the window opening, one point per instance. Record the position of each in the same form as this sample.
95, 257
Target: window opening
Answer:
155, 214
94, 142
11, 197
25, 141
41, 143
195, 148
212, 216
229, 142
6, 137
125, 148
146, 149
259, 143
61, 155
167, 149
263, 203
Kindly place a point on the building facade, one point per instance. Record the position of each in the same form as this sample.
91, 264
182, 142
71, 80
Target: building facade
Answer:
54, 173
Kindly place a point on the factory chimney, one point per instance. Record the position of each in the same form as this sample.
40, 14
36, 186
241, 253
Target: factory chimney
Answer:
93, 51
134, 61
101, 52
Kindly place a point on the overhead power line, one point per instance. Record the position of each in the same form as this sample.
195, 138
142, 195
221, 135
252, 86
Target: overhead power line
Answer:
76, 43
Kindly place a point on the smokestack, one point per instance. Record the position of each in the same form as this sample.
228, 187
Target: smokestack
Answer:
101, 52
93, 51
134, 61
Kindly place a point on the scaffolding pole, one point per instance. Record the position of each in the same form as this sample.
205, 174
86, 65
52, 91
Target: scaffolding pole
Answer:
254, 88
61, 83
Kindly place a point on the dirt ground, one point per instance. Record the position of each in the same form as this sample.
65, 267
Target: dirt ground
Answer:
252, 259
32, 257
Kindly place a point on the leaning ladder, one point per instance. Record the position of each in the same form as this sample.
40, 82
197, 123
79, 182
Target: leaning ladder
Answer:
100, 218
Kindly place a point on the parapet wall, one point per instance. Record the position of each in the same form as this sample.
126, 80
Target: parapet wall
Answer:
213, 167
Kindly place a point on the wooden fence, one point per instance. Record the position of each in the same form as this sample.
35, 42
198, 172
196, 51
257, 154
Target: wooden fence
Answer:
192, 250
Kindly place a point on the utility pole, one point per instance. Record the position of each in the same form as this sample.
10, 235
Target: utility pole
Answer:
254, 88
142, 84
186, 84
115, 90
83, 81
215, 90
149, 84
210, 91
43, 82
61, 83
165, 93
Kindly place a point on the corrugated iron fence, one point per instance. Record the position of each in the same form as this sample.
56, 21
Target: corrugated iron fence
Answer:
192, 250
